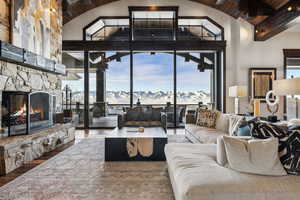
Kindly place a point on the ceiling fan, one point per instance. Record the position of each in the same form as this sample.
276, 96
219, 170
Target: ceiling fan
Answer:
252, 8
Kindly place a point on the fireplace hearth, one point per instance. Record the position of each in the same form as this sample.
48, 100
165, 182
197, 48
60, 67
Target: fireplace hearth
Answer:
24, 113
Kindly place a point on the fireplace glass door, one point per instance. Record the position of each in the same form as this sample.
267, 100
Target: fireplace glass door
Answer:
24, 113
40, 110
15, 113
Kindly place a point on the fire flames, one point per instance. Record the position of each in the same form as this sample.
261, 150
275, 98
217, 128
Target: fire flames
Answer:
22, 112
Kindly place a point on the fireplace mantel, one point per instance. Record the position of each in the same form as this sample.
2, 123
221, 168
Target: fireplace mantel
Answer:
11, 53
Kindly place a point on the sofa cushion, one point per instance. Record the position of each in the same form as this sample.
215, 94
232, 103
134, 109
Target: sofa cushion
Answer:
195, 175
203, 134
207, 118
254, 156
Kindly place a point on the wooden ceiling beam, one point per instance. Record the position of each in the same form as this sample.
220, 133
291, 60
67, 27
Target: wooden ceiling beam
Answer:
278, 22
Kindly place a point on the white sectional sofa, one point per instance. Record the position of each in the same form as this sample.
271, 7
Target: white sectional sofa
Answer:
204, 135
196, 175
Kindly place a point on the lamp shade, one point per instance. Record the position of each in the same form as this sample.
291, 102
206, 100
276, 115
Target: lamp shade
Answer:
238, 91
287, 87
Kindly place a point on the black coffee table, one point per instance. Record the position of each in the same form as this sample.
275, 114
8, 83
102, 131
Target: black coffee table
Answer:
116, 144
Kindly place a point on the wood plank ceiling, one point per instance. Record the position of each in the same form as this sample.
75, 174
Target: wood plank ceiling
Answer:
74, 8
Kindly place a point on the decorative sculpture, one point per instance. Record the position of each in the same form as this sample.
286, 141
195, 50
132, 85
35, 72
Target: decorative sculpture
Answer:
272, 107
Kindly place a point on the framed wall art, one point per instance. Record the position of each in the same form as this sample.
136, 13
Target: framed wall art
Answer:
261, 82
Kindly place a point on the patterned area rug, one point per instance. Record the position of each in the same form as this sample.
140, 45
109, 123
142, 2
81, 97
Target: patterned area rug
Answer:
81, 173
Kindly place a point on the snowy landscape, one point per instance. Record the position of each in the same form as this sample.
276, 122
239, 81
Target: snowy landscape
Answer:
147, 97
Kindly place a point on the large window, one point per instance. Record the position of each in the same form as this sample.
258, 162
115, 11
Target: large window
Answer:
77, 88
118, 80
153, 78
194, 84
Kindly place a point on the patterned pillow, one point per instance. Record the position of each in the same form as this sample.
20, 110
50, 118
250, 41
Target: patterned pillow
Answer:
290, 152
207, 118
264, 130
234, 123
289, 144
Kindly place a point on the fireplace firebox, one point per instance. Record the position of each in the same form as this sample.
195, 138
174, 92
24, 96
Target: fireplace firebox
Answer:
24, 113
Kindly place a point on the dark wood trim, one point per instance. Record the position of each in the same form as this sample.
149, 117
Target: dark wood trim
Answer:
104, 17
175, 86
278, 22
208, 19
153, 8
224, 81
184, 55
86, 90
291, 53
79, 45
131, 79
219, 82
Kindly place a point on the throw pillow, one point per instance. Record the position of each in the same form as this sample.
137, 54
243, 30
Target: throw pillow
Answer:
289, 144
263, 130
294, 127
289, 152
146, 115
133, 114
244, 131
234, 124
245, 126
207, 118
156, 114
254, 156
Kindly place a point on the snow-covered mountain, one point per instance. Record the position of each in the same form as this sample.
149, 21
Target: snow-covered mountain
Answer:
147, 97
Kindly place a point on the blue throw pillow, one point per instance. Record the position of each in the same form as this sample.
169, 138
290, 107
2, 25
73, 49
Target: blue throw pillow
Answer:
244, 131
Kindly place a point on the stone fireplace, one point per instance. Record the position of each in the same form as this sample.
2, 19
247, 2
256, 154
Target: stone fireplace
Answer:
21, 86
25, 113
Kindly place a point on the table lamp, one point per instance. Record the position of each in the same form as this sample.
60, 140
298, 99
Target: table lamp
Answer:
237, 92
287, 87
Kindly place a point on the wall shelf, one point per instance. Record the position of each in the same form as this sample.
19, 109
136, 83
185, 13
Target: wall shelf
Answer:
11, 53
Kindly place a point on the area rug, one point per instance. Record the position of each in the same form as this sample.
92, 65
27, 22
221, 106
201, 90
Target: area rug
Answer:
80, 173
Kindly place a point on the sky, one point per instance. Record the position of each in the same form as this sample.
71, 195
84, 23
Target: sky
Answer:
151, 73
293, 72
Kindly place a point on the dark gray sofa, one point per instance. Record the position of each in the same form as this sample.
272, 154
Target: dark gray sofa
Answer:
143, 117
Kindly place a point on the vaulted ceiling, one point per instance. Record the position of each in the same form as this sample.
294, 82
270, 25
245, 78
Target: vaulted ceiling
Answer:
74, 8
277, 18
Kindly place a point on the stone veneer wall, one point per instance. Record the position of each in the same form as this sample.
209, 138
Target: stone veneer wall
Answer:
15, 77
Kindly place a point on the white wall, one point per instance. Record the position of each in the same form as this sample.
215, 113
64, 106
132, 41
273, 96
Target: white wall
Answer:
262, 54
242, 52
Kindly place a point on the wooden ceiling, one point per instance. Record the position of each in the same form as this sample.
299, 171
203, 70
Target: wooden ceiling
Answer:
74, 8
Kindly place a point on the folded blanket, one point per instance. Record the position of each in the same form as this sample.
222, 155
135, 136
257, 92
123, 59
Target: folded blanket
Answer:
142, 146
